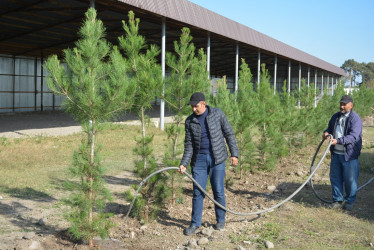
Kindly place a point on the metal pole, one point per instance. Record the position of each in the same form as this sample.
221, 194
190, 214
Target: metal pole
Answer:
208, 56
258, 67
308, 75
275, 73
92, 3
35, 80
41, 80
315, 88
163, 52
289, 76
236, 67
299, 82
14, 82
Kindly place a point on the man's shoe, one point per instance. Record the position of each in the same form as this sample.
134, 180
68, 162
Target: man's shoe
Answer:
336, 205
348, 207
191, 230
220, 225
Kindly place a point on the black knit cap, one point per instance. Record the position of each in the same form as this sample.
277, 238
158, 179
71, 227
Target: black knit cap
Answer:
346, 99
196, 98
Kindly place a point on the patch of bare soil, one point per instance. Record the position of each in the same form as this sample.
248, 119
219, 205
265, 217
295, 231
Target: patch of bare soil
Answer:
35, 221
39, 224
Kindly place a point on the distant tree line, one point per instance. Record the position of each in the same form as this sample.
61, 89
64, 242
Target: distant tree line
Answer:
359, 71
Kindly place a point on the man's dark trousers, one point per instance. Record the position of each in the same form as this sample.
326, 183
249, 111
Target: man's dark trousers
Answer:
203, 168
344, 172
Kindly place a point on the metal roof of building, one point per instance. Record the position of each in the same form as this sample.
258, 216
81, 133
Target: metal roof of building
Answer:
195, 15
44, 27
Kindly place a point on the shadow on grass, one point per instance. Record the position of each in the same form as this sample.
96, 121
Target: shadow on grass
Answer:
16, 212
116, 208
165, 219
120, 181
27, 194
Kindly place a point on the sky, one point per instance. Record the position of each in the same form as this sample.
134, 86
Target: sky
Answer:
332, 30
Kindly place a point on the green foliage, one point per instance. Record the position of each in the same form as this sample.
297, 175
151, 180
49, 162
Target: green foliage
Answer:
147, 74
367, 72
269, 231
239, 238
187, 74
142, 61
154, 193
355, 70
96, 86
4, 142
276, 121
81, 200
363, 100
236, 109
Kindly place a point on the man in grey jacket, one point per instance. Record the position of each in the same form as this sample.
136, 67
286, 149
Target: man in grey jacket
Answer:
205, 149
346, 129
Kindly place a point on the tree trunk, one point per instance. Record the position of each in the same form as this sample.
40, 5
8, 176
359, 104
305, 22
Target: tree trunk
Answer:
91, 192
143, 135
174, 157
176, 140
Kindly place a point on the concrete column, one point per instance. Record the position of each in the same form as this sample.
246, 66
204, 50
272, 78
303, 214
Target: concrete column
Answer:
14, 84
315, 88
36, 83
322, 92
41, 81
308, 76
258, 67
236, 67
299, 82
163, 53
332, 85
328, 80
289, 76
275, 73
208, 56
92, 3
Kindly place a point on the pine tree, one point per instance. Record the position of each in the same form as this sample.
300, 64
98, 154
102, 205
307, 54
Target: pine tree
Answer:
224, 100
246, 123
96, 87
147, 76
187, 74
271, 144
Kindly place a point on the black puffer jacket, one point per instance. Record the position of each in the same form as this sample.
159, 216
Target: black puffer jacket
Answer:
219, 130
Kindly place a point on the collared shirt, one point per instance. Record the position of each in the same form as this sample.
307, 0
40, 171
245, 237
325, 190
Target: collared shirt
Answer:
339, 132
352, 139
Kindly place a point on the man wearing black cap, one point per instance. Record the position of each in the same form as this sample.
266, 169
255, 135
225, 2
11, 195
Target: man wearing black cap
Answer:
205, 149
346, 129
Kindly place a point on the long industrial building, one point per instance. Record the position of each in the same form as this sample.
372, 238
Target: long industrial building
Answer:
31, 30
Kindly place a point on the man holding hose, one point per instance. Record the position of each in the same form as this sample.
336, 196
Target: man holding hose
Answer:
346, 129
205, 149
